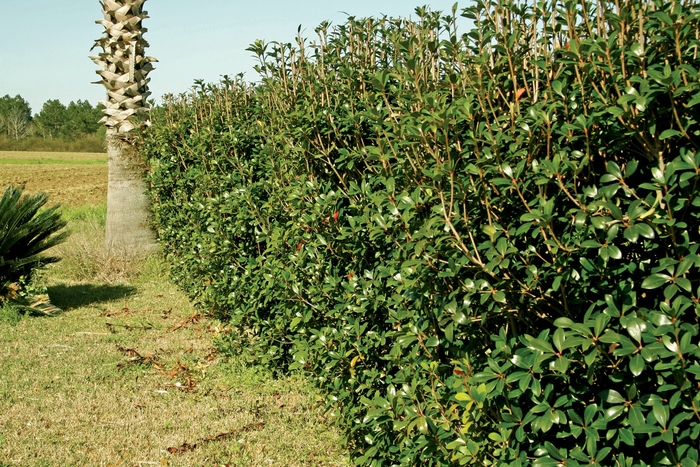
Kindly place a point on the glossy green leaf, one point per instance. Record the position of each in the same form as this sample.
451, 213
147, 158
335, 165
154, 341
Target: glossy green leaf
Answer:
655, 281
660, 413
612, 397
668, 134
637, 365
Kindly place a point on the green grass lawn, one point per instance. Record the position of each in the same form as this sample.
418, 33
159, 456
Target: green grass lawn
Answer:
127, 374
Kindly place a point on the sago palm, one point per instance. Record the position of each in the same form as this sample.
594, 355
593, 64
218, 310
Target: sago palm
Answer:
25, 233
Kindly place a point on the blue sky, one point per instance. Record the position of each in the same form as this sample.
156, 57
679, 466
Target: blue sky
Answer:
46, 42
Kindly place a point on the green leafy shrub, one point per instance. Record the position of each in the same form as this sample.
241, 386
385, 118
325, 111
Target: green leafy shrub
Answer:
483, 247
26, 231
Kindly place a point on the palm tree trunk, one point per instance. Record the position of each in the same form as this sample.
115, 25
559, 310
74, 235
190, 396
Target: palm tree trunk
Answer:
123, 70
128, 220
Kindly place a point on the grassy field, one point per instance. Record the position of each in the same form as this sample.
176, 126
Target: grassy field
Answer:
71, 179
127, 374
69, 158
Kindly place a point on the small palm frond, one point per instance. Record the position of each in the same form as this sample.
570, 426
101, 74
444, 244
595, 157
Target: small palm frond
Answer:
41, 304
25, 233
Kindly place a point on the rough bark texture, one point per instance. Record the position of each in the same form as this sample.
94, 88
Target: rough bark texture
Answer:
124, 66
128, 212
123, 70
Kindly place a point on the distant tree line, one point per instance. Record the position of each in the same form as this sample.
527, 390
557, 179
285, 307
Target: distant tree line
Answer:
54, 126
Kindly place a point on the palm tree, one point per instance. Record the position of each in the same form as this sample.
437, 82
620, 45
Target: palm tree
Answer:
124, 68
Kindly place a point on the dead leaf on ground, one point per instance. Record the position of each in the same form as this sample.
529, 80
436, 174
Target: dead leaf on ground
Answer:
185, 447
188, 386
187, 382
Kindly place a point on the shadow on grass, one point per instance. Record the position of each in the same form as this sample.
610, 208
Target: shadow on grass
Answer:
68, 297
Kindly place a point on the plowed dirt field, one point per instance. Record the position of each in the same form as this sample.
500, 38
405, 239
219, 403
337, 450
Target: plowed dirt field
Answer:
71, 179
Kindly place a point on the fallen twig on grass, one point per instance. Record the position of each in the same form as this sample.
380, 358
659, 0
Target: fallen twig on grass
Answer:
194, 318
135, 358
186, 447
129, 327
112, 313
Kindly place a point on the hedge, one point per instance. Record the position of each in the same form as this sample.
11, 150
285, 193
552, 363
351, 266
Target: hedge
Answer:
483, 247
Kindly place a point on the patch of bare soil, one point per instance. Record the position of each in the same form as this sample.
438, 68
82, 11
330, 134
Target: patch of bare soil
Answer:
69, 185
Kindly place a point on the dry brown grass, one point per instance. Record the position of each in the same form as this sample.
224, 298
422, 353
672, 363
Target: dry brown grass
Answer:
85, 258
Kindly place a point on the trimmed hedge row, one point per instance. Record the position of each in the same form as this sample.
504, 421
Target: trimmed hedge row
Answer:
483, 247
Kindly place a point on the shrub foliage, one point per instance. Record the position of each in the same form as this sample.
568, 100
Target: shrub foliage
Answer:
483, 247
